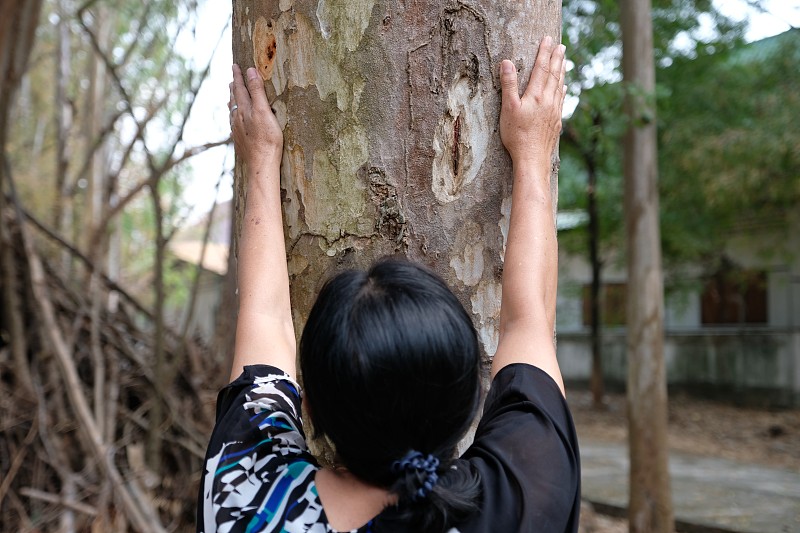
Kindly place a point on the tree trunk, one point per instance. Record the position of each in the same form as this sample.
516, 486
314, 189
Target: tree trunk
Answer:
596, 380
18, 22
596, 384
62, 212
157, 413
650, 508
390, 114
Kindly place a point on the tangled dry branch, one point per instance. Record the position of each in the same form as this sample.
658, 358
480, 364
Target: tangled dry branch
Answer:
73, 449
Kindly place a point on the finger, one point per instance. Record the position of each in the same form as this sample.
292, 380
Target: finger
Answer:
256, 87
509, 85
231, 100
555, 80
240, 94
541, 67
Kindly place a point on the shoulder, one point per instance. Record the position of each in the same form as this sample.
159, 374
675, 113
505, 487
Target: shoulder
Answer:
526, 453
522, 388
258, 466
259, 382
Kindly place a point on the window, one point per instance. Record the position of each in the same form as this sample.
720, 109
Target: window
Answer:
734, 296
612, 304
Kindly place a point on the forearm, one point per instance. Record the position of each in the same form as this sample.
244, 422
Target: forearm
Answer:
263, 275
530, 276
264, 302
530, 273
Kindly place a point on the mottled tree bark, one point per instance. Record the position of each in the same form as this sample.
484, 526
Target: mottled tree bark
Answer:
390, 113
650, 508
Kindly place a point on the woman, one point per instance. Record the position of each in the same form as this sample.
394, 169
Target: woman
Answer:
390, 365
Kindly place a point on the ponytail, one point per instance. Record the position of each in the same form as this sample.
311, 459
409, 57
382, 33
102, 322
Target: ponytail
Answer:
434, 498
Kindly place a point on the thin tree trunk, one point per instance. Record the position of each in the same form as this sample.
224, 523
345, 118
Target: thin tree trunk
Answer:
98, 250
391, 140
62, 212
596, 380
18, 22
650, 508
160, 374
225, 323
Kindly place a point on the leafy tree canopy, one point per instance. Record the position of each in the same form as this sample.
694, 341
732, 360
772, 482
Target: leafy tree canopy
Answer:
728, 148
729, 144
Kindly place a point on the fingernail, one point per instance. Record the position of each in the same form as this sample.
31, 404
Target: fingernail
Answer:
251, 73
562, 47
547, 39
506, 67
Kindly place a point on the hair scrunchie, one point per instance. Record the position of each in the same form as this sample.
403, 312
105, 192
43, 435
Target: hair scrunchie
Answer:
414, 461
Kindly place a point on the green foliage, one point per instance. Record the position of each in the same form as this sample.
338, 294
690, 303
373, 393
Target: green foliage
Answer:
728, 145
592, 139
681, 28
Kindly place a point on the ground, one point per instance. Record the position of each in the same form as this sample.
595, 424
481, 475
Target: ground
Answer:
761, 436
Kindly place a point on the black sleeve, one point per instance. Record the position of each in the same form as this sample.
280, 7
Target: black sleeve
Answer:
526, 453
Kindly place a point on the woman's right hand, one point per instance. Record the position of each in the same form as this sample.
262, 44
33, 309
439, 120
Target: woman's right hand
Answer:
256, 132
530, 125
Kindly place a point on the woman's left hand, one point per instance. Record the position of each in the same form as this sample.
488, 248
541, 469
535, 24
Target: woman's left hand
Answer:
256, 132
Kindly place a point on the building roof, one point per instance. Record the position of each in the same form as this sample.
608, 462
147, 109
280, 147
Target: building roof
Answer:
214, 260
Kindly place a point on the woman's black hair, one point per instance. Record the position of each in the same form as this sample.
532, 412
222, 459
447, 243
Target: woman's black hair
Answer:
390, 365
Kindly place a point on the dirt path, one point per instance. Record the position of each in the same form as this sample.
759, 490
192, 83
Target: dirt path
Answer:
760, 436
768, 437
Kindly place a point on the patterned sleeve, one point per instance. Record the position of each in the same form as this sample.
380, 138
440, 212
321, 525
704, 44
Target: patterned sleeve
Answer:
258, 470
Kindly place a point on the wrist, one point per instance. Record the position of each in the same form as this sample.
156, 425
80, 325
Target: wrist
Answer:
264, 159
533, 170
531, 183
532, 158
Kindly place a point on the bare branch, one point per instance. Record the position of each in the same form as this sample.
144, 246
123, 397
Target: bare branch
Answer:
191, 152
17, 461
58, 500
111, 284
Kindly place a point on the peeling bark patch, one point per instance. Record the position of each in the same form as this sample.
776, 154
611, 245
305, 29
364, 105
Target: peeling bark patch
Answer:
469, 266
292, 174
297, 264
264, 47
460, 142
344, 23
304, 60
505, 220
334, 200
486, 306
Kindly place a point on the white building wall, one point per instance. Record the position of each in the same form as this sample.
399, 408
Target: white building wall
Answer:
745, 361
